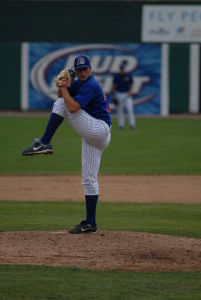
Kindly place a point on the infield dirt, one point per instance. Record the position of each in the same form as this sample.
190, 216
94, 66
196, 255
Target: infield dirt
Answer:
103, 250
161, 189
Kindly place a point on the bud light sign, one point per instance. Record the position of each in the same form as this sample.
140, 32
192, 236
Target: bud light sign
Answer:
46, 60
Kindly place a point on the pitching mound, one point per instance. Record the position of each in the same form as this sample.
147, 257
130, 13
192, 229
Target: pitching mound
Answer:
103, 250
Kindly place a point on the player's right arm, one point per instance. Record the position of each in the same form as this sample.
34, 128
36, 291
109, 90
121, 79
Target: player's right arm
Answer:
72, 105
59, 93
66, 92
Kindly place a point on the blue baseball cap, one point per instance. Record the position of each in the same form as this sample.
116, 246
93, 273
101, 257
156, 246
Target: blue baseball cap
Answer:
81, 61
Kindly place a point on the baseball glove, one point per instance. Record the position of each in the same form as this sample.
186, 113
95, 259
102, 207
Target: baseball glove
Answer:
67, 75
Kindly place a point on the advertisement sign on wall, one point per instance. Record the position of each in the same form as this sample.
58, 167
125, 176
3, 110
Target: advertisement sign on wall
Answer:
171, 23
46, 60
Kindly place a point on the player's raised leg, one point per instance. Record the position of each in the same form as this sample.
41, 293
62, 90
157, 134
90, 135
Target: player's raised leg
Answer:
98, 133
95, 131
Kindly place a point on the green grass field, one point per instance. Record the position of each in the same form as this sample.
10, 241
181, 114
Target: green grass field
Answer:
158, 146
171, 219
33, 283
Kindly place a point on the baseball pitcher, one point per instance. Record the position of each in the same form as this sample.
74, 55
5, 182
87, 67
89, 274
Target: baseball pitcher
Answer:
83, 104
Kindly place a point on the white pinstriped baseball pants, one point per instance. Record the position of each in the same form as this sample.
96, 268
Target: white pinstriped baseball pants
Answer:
95, 138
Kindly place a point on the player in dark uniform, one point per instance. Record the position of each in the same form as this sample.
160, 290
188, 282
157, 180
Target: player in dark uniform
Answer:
122, 89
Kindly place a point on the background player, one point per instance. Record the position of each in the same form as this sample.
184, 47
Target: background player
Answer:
84, 106
122, 89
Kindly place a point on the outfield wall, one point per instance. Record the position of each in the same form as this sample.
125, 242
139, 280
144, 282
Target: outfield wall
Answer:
45, 60
107, 23
177, 92
10, 76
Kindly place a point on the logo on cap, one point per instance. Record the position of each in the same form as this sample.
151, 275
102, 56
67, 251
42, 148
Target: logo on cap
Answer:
81, 61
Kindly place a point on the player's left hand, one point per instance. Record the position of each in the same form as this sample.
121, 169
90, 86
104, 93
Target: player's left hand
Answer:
64, 83
65, 78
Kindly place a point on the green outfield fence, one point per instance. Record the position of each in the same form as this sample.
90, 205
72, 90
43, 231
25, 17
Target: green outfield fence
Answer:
86, 22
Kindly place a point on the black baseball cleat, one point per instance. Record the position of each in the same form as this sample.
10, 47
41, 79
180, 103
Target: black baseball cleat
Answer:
83, 227
38, 148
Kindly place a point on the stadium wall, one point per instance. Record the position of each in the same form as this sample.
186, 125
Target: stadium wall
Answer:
107, 22
10, 76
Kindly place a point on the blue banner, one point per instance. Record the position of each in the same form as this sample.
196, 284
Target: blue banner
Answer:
46, 60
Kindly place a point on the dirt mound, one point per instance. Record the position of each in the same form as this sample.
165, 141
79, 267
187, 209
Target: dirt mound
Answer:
103, 250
